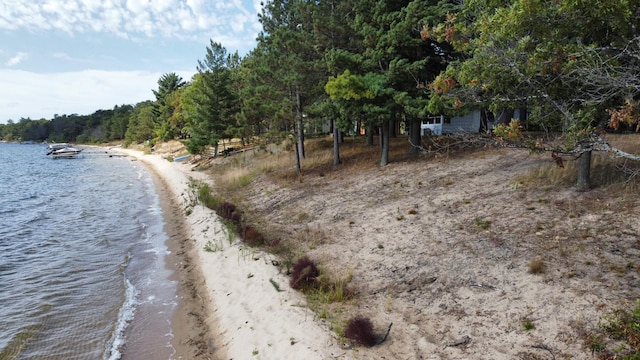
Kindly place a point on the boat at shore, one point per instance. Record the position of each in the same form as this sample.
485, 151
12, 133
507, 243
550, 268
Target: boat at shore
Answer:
63, 151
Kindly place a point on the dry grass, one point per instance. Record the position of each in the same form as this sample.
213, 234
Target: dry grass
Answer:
536, 267
278, 162
605, 171
234, 178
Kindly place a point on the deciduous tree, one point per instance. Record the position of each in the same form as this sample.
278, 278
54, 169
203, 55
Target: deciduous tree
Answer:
568, 61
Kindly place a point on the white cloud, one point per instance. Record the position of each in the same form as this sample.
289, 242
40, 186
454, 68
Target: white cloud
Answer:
137, 6
131, 18
17, 59
160, 6
196, 6
27, 94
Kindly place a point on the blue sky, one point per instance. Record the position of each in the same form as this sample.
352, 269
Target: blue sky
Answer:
79, 56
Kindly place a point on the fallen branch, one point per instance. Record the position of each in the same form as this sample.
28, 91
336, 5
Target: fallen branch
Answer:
385, 335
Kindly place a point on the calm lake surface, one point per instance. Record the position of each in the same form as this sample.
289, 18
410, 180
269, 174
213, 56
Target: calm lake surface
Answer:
82, 258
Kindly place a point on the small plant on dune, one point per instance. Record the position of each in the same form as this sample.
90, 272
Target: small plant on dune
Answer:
305, 274
192, 194
252, 236
482, 224
360, 330
206, 197
528, 325
232, 230
536, 267
334, 289
275, 285
211, 246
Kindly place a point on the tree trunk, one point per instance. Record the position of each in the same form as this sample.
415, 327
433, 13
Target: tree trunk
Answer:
485, 117
504, 116
384, 142
369, 130
336, 144
300, 125
584, 172
298, 166
415, 137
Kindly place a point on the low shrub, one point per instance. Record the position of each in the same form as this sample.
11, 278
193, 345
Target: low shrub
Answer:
305, 274
360, 330
226, 210
236, 218
252, 236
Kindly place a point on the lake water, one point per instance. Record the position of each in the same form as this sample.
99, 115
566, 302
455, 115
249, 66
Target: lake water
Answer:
82, 258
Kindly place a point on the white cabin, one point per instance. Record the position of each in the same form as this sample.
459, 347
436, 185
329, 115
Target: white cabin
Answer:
468, 123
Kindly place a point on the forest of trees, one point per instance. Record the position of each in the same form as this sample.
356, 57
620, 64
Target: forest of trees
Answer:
573, 64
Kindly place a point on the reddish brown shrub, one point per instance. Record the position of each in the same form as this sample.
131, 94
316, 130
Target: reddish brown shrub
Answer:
236, 218
226, 210
360, 330
305, 274
252, 236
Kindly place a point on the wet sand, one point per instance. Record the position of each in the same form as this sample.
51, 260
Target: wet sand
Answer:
191, 335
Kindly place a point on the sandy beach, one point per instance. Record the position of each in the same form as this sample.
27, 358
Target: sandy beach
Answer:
230, 307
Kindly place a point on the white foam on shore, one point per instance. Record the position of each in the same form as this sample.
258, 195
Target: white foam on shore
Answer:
125, 315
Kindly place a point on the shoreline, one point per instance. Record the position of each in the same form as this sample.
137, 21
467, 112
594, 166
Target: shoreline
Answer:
229, 306
188, 330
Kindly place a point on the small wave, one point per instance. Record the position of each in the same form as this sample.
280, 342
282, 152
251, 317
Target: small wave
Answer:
127, 311
5, 210
152, 251
155, 209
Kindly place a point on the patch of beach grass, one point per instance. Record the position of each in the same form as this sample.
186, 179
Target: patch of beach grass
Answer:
537, 267
207, 198
213, 246
234, 178
528, 325
482, 224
